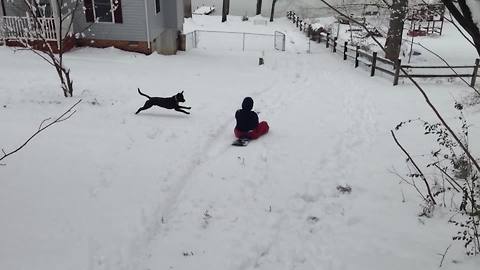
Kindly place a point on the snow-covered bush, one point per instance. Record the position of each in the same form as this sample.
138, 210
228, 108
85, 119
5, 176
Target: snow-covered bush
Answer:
449, 162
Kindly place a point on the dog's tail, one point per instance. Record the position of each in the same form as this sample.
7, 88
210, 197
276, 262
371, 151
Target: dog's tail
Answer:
142, 93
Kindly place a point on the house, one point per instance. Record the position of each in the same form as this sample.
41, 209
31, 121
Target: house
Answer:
134, 25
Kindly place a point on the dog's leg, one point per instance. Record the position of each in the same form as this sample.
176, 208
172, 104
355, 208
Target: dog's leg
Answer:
147, 105
183, 107
139, 110
180, 110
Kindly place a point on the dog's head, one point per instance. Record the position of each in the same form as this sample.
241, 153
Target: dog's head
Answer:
179, 97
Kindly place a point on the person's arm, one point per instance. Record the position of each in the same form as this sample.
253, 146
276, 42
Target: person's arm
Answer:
255, 118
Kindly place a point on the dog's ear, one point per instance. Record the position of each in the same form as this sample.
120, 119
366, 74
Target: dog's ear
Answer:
181, 92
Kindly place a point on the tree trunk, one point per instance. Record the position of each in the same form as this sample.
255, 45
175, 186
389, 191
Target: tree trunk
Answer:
187, 8
393, 43
225, 10
273, 10
259, 7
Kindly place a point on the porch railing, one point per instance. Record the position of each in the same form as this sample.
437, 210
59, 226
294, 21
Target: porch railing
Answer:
27, 28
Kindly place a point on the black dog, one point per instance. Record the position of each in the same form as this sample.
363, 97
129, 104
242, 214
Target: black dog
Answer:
167, 103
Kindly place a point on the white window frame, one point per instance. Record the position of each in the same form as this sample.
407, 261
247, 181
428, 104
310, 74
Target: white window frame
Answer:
95, 13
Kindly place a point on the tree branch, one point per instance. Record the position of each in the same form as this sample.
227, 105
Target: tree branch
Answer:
443, 255
416, 167
64, 116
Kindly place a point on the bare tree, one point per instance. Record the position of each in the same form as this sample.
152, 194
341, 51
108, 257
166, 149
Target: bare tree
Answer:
48, 35
259, 7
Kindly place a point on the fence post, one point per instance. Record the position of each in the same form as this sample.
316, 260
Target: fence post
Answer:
441, 26
356, 55
475, 71
309, 31
301, 25
297, 21
374, 63
243, 42
345, 50
335, 44
398, 64
328, 40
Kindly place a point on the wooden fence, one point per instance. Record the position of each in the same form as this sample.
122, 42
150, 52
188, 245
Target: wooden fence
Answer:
378, 63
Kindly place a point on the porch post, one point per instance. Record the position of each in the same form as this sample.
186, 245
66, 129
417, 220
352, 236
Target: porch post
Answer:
2, 7
3, 38
147, 24
56, 19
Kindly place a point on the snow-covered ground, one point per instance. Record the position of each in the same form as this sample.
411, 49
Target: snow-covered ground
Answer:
108, 189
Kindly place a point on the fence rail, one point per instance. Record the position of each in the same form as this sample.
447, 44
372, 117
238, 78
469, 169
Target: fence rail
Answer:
28, 28
235, 40
375, 62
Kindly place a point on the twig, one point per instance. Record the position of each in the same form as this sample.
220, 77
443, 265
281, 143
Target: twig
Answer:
416, 167
411, 184
57, 120
443, 255
41, 124
449, 178
67, 117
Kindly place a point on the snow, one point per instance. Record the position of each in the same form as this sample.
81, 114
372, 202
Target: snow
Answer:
474, 6
108, 189
204, 10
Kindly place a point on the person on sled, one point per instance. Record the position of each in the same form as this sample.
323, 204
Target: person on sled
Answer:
248, 126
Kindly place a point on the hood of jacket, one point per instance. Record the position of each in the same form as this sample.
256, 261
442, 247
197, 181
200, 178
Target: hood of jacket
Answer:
247, 104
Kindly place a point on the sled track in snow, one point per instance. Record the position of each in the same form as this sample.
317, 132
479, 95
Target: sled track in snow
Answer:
209, 151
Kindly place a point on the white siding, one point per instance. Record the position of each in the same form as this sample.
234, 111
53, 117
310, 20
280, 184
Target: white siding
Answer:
133, 27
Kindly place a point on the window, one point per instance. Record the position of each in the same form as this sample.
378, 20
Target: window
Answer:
103, 11
157, 5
